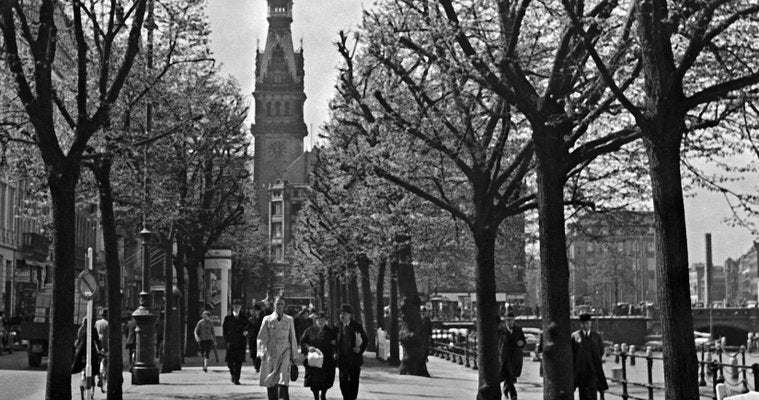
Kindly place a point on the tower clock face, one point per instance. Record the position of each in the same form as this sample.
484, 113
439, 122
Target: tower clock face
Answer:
276, 150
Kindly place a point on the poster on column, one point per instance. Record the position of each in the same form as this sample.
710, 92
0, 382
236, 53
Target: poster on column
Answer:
213, 294
217, 266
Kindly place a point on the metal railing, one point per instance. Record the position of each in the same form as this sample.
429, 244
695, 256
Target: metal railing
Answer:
739, 377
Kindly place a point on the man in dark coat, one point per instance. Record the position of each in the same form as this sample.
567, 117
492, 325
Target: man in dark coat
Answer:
510, 343
351, 343
254, 325
131, 339
426, 329
587, 354
235, 329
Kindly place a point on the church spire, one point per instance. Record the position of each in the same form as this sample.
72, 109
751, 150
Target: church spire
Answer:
279, 63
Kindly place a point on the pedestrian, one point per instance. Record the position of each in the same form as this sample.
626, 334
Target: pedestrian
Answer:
587, 354
351, 343
204, 335
235, 330
302, 322
80, 350
511, 340
426, 330
255, 325
279, 348
131, 339
322, 338
101, 326
159, 324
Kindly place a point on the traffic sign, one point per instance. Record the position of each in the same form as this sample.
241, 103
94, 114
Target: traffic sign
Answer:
87, 284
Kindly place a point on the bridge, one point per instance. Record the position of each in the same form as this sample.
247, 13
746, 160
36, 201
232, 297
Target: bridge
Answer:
732, 323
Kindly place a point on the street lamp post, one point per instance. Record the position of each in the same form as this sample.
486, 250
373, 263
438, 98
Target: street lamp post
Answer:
145, 371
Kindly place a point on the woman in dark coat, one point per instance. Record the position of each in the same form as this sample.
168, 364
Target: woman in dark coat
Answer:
322, 337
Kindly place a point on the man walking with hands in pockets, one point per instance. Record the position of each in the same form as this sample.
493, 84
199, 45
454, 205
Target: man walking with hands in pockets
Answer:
351, 343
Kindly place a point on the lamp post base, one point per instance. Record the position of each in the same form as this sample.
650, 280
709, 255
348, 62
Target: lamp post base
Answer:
145, 371
145, 375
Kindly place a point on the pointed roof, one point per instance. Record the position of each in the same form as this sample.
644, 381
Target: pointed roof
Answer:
279, 54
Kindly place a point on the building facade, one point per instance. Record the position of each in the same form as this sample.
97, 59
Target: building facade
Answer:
743, 277
612, 259
698, 284
280, 169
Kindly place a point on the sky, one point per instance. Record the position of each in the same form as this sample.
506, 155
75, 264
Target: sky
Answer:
237, 25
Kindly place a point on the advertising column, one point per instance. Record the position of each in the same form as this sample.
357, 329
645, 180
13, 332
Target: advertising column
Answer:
217, 266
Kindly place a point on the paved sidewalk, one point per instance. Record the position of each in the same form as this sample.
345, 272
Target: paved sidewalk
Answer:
378, 382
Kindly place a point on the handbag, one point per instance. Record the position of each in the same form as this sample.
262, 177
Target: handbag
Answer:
293, 372
315, 358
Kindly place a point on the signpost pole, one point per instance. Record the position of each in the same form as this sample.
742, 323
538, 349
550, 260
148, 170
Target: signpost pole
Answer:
88, 370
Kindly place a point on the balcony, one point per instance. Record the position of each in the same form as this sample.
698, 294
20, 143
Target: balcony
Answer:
34, 245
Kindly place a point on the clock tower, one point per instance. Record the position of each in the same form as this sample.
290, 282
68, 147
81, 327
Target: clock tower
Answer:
279, 128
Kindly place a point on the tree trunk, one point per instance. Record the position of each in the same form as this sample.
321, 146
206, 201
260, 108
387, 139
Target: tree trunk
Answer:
320, 301
394, 353
355, 296
410, 333
179, 264
62, 184
366, 292
171, 348
487, 310
102, 171
678, 346
554, 269
193, 297
381, 294
334, 296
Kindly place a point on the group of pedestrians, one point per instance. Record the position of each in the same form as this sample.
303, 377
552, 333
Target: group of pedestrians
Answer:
276, 347
587, 357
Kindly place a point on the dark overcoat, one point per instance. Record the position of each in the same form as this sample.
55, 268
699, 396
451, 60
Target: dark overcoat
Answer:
346, 341
233, 330
510, 346
587, 354
323, 339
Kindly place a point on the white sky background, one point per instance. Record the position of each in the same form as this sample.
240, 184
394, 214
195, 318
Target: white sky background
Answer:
237, 24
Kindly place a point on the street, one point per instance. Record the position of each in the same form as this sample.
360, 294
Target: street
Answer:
378, 382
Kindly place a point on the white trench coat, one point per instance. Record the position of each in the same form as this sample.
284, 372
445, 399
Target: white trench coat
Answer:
277, 346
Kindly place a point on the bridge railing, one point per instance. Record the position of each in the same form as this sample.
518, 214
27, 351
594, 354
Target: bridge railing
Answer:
711, 372
718, 364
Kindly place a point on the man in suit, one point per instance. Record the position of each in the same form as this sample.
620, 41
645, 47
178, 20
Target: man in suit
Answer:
255, 321
587, 354
235, 330
510, 343
351, 343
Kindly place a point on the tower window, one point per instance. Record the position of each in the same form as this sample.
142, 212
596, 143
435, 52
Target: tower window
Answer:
268, 108
287, 108
277, 107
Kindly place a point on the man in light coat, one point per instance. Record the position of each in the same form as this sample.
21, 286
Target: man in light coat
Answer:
278, 348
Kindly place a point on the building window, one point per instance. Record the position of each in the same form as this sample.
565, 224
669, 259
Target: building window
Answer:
268, 108
287, 108
276, 230
278, 255
277, 108
3, 190
276, 209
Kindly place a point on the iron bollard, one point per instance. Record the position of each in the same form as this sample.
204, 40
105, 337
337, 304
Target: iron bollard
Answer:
755, 372
476, 353
733, 369
743, 370
623, 356
632, 354
702, 375
616, 353
650, 367
466, 352
713, 367
749, 341
720, 350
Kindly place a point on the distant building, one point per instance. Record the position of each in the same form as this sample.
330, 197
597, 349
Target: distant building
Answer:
743, 273
612, 259
280, 170
732, 282
697, 283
